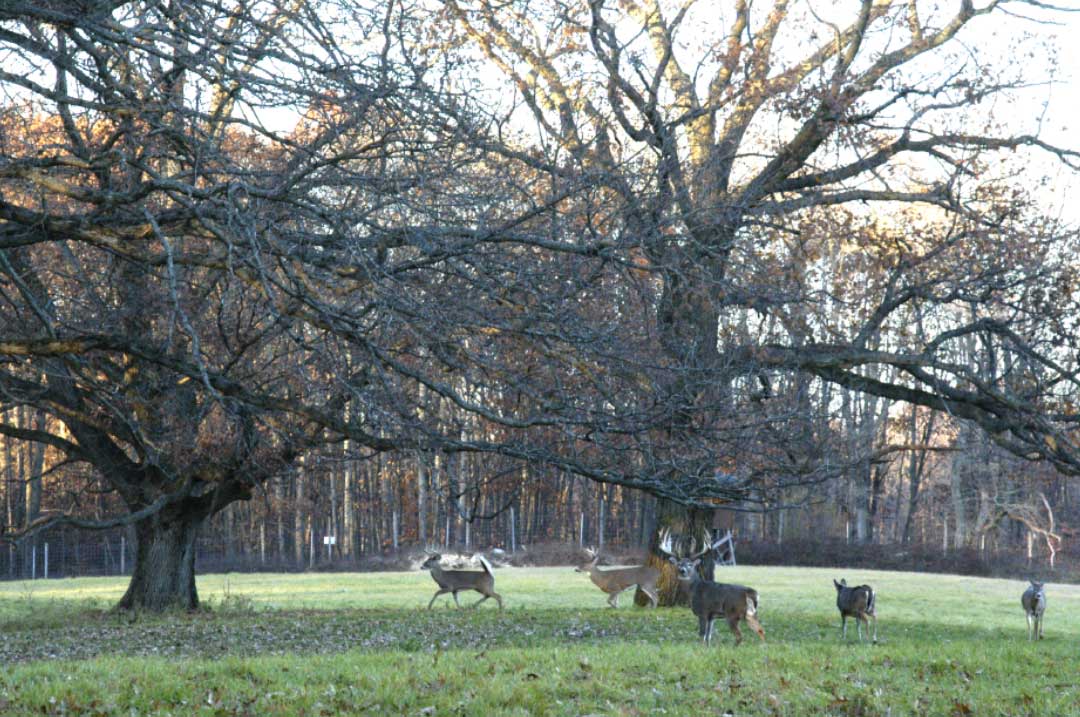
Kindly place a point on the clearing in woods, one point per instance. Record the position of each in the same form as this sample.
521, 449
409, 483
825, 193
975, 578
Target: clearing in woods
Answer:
353, 643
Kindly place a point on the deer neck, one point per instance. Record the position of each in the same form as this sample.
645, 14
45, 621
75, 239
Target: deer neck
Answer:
595, 574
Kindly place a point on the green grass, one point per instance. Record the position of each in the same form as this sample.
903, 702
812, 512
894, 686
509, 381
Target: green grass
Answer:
364, 644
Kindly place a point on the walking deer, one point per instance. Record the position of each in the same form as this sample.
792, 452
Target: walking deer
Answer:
1034, 602
857, 602
708, 599
455, 581
616, 581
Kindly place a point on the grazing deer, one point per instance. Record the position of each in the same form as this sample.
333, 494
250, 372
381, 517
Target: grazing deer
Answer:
618, 580
1034, 602
857, 602
708, 599
455, 581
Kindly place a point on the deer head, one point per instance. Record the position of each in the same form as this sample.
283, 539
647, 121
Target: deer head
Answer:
591, 558
431, 561
686, 565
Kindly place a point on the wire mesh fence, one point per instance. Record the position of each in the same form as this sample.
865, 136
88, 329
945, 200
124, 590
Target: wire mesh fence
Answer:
69, 554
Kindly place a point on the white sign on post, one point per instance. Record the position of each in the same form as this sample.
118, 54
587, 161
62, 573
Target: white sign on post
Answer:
329, 541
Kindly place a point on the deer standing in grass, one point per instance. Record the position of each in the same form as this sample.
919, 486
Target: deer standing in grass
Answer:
1034, 602
616, 581
710, 600
455, 581
857, 602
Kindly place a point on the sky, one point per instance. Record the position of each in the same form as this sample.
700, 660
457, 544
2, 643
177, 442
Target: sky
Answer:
1061, 126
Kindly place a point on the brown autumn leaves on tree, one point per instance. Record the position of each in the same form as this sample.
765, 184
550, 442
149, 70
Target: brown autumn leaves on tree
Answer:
652, 249
746, 144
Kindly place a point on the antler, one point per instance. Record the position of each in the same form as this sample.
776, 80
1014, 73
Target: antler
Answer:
663, 545
706, 544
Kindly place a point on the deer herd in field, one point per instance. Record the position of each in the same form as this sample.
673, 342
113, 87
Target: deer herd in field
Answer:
709, 600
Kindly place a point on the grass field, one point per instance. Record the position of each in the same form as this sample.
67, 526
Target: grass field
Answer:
329, 644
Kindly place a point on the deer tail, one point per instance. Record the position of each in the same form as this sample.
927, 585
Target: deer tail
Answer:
870, 600
751, 602
485, 565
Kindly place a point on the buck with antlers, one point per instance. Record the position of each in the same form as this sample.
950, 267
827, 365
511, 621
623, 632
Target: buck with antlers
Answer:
455, 581
710, 600
616, 581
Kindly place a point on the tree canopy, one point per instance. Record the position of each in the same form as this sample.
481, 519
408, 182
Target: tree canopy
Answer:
647, 249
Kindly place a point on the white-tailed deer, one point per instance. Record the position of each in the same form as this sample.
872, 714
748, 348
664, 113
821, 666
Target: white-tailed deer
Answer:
615, 581
857, 602
455, 581
710, 600
1034, 602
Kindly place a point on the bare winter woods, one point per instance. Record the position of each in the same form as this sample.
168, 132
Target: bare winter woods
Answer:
482, 272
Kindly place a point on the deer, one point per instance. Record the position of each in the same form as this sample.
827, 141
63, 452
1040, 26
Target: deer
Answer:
857, 602
709, 599
616, 581
1034, 602
455, 581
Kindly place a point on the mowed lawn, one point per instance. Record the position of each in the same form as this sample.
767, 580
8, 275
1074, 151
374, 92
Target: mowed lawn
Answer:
329, 644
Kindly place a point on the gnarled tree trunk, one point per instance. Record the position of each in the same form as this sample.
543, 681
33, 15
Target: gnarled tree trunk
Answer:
691, 523
164, 573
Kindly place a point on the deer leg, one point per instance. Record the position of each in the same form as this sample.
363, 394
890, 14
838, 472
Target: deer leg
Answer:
733, 625
859, 619
1028, 626
613, 600
437, 594
752, 621
650, 592
704, 626
480, 601
454, 593
498, 599
874, 617
1038, 622
843, 626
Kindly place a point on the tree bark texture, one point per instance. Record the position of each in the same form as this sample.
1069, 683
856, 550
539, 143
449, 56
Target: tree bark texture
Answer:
691, 524
164, 574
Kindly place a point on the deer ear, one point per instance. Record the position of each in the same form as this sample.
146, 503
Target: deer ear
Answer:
672, 560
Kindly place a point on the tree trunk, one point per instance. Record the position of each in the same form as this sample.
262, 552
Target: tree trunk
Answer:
164, 573
691, 523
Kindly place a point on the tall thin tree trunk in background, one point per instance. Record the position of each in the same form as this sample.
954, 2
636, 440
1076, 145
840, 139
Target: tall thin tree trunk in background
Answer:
421, 498
348, 520
916, 467
956, 493
298, 516
279, 495
35, 464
